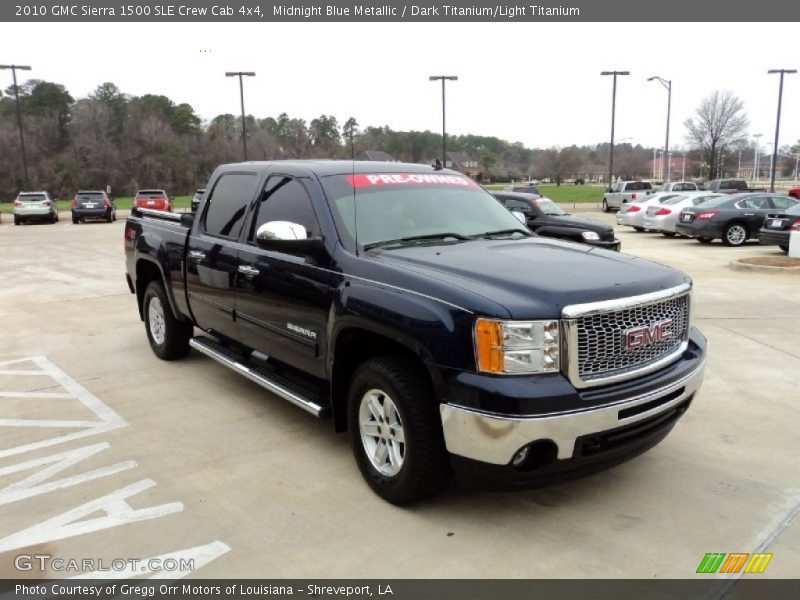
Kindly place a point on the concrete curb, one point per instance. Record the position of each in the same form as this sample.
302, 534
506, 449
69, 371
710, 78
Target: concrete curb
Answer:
736, 265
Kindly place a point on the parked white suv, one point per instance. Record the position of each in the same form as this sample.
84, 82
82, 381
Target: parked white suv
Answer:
624, 192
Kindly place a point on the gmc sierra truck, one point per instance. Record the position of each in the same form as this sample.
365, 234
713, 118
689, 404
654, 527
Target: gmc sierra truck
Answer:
406, 304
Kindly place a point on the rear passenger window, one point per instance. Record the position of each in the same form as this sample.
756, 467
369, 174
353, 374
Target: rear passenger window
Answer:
285, 199
227, 206
756, 202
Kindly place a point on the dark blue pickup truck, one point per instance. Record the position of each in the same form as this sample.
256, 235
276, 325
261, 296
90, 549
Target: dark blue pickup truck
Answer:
406, 304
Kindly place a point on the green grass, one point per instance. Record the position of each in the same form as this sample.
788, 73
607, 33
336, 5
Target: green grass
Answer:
565, 193
179, 203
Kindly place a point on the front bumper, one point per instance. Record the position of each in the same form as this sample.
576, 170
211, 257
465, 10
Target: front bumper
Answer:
620, 421
614, 244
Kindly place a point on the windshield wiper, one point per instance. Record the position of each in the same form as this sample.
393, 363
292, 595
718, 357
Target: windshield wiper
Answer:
491, 234
418, 238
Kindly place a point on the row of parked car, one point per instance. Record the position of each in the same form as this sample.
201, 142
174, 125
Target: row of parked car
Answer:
86, 205
706, 216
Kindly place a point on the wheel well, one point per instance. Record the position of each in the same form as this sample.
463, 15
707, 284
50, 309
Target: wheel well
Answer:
145, 273
353, 347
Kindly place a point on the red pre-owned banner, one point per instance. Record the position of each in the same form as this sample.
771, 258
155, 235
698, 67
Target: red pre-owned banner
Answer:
404, 179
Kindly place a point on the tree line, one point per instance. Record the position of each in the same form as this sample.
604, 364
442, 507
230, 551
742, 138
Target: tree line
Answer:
133, 142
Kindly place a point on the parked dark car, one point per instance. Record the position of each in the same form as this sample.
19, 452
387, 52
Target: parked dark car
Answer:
734, 219
89, 204
198, 196
524, 188
546, 218
730, 186
778, 227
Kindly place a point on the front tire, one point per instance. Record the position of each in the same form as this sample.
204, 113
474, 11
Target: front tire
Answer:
639, 229
784, 247
395, 430
605, 206
705, 240
668, 233
168, 337
735, 234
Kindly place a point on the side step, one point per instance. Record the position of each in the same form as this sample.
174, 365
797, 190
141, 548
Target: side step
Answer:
269, 381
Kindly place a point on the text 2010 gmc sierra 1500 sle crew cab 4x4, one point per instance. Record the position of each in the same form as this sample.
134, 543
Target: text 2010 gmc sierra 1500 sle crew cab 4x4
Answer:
408, 305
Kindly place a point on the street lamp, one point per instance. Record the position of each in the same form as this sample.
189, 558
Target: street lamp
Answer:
683, 169
667, 83
777, 123
443, 78
241, 74
613, 115
755, 155
14, 69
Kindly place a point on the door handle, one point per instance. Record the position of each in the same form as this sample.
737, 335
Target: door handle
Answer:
196, 255
248, 271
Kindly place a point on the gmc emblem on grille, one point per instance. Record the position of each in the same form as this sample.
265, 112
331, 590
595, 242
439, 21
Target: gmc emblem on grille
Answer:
639, 337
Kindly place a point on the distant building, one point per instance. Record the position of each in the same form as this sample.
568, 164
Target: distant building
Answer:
461, 162
376, 155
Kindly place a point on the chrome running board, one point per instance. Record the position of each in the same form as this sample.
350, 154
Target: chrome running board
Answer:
269, 381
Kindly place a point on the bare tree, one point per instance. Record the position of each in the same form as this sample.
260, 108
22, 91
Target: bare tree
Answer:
719, 123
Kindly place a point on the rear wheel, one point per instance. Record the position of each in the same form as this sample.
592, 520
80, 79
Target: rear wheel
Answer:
108, 218
395, 430
705, 240
605, 205
668, 233
735, 234
53, 217
784, 247
168, 337
17, 220
639, 229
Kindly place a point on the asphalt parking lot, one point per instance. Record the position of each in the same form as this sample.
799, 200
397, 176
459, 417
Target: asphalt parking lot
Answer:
145, 458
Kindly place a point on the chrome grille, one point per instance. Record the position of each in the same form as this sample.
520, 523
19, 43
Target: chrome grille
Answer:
601, 348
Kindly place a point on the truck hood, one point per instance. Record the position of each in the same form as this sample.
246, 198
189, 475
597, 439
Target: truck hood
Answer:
529, 278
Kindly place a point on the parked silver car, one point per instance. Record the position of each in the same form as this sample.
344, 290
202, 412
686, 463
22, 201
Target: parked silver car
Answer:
35, 206
632, 214
663, 216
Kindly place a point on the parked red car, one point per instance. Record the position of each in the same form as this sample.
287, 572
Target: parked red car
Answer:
794, 192
153, 200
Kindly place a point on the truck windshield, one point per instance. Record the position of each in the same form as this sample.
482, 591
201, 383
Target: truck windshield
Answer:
440, 208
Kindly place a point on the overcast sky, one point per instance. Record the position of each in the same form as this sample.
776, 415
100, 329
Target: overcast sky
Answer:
539, 84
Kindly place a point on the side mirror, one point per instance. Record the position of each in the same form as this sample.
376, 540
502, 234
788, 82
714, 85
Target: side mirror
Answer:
609, 190
520, 217
187, 219
288, 237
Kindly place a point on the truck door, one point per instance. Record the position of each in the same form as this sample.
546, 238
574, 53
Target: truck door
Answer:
283, 299
211, 256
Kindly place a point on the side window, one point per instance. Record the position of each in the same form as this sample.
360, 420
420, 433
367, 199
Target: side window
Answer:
757, 202
227, 206
782, 202
517, 205
285, 199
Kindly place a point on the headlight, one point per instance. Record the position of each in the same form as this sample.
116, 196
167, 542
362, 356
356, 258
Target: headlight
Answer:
514, 347
590, 235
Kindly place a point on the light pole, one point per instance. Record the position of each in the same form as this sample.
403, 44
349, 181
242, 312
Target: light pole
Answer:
443, 78
241, 74
756, 150
14, 69
739, 169
655, 156
613, 116
777, 123
796, 164
683, 169
667, 83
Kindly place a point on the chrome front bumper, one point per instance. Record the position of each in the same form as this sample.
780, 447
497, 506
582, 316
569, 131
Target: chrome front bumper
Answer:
495, 439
